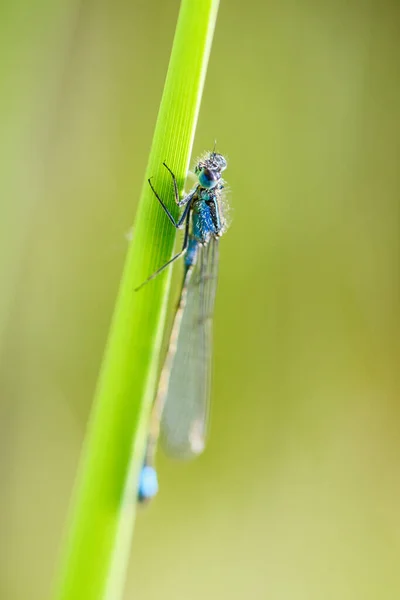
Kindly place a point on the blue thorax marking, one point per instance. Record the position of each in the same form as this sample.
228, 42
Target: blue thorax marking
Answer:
206, 222
205, 218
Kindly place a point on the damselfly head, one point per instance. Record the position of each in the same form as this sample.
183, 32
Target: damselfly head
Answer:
209, 170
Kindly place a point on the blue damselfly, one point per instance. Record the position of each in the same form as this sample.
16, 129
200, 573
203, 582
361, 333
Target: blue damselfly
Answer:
181, 406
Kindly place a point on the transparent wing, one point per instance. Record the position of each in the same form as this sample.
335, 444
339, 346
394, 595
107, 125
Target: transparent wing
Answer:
187, 372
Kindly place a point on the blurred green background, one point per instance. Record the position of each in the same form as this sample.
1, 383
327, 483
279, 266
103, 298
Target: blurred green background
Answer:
297, 496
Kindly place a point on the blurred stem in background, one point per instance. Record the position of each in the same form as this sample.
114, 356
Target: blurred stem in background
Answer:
98, 537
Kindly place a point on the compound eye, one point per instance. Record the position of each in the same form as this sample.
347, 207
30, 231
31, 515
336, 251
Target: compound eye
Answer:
207, 178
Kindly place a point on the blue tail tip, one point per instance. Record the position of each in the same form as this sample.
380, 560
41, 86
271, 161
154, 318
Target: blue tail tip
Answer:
148, 484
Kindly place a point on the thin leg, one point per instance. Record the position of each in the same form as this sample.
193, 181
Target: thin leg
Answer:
187, 200
184, 215
184, 200
170, 217
176, 191
181, 253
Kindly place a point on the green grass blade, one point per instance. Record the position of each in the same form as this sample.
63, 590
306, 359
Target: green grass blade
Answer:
97, 544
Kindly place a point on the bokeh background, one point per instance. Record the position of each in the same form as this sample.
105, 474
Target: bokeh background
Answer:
297, 496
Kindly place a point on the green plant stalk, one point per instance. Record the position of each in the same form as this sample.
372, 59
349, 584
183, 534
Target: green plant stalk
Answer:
97, 543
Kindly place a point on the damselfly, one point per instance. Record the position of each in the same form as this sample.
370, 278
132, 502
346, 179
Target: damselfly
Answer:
182, 402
